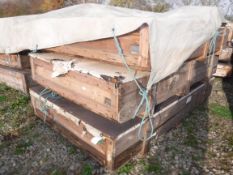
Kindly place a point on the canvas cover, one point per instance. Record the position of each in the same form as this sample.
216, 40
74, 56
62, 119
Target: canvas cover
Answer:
174, 35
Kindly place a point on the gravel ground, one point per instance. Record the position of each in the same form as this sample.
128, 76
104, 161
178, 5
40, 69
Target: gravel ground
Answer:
202, 144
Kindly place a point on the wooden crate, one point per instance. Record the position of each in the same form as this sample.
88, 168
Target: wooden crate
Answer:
110, 96
118, 142
105, 89
17, 79
15, 61
223, 70
135, 47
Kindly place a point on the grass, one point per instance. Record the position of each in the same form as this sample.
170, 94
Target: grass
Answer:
153, 168
221, 111
22, 147
87, 170
72, 150
57, 172
126, 169
15, 110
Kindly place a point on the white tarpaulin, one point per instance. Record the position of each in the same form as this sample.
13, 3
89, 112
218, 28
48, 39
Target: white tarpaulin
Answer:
174, 35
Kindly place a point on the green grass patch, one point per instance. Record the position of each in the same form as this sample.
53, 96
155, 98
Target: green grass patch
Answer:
221, 111
125, 169
57, 172
22, 147
87, 170
72, 150
154, 167
2, 98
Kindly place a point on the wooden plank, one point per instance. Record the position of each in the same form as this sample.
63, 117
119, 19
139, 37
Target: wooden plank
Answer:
226, 55
135, 46
176, 84
17, 79
15, 61
201, 52
198, 71
223, 70
221, 40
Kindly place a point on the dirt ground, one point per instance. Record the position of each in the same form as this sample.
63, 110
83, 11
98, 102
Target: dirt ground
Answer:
202, 144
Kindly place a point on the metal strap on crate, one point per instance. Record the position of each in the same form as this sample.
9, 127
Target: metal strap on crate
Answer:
142, 91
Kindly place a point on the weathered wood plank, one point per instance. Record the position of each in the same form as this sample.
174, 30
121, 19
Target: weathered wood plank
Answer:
17, 79
15, 61
135, 46
223, 70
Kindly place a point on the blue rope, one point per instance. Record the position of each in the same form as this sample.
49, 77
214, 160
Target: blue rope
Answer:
213, 41
142, 91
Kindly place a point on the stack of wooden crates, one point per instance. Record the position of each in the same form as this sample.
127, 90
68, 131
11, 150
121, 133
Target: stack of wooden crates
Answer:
98, 97
15, 71
224, 54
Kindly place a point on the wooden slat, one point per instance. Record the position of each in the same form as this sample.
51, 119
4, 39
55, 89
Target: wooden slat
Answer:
15, 61
135, 47
17, 79
223, 70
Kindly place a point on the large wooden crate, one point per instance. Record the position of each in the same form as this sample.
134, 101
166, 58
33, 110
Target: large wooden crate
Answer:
135, 46
17, 79
114, 97
117, 142
17, 61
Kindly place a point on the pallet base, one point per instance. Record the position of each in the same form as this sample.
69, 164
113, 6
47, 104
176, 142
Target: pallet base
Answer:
16, 79
120, 142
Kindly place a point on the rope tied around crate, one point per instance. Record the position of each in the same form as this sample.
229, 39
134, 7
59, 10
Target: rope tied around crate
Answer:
213, 41
44, 107
142, 91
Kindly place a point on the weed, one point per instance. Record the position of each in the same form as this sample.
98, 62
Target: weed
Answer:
22, 147
221, 111
2, 98
154, 167
125, 169
191, 140
72, 150
87, 170
57, 172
